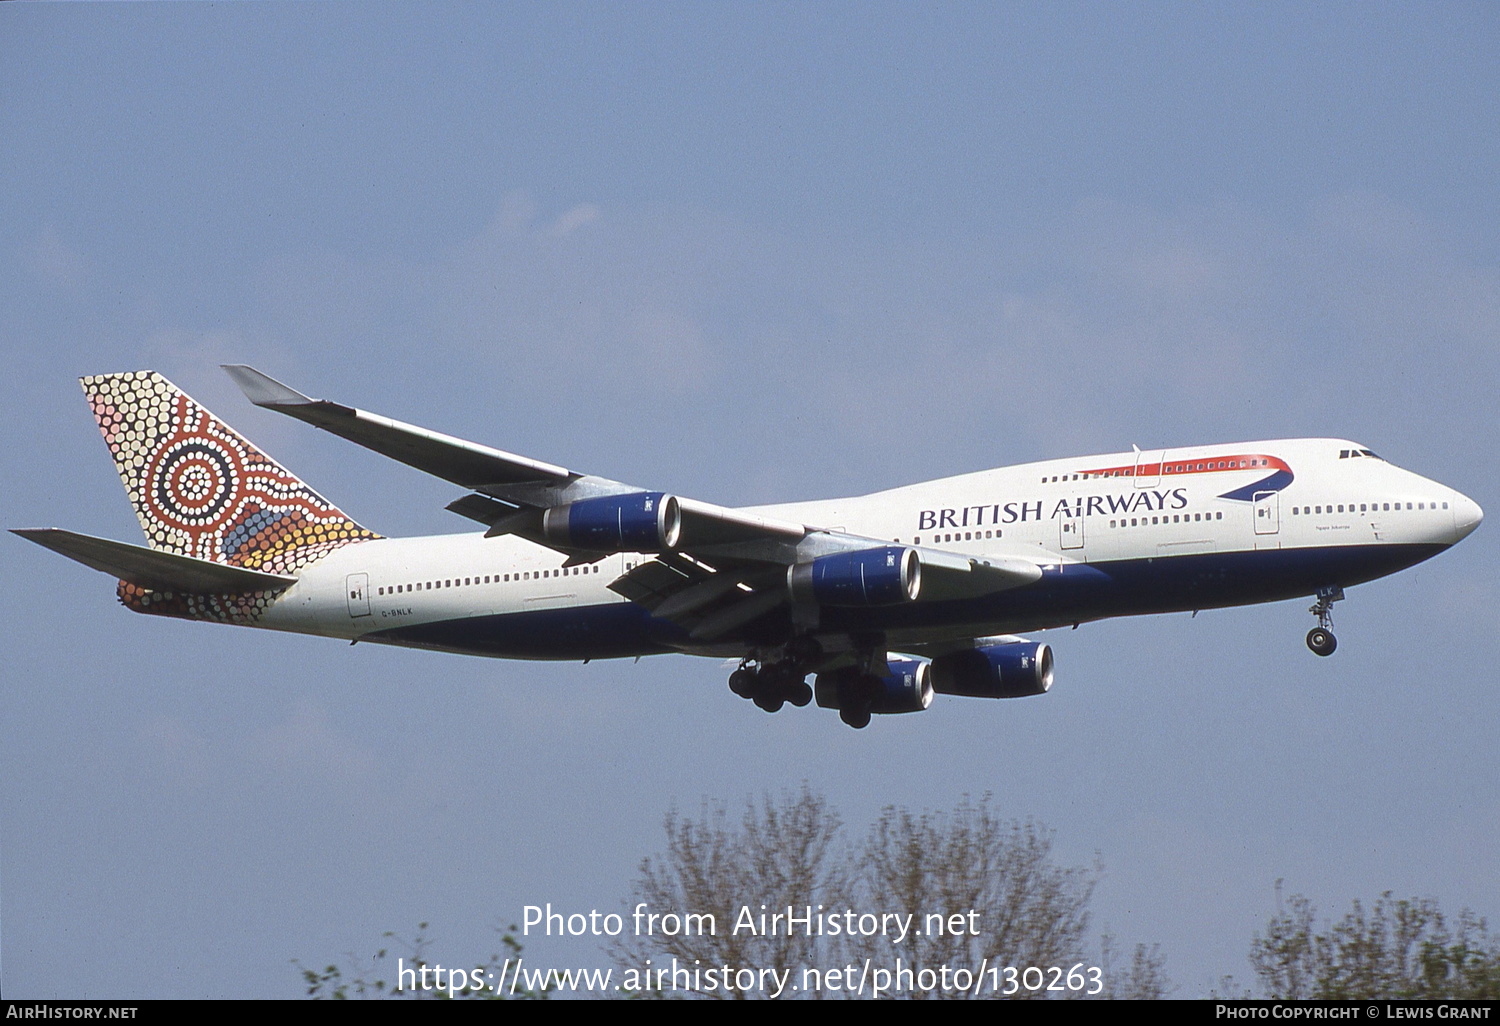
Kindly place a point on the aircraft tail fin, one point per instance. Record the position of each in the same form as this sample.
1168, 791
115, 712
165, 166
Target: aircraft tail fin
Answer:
200, 490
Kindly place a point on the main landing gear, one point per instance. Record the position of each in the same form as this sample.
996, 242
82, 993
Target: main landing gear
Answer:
1320, 639
773, 678
772, 685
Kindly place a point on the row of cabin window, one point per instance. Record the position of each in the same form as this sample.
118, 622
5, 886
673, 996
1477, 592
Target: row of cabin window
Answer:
958, 536
1171, 468
527, 575
1176, 518
1372, 507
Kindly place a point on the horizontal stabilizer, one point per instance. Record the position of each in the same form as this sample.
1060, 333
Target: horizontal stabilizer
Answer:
153, 568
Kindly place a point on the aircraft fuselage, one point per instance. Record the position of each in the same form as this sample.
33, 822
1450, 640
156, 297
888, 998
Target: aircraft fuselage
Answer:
1115, 535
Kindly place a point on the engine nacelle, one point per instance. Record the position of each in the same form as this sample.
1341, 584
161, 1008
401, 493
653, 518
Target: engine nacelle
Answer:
907, 688
886, 576
639, 522
1017, 669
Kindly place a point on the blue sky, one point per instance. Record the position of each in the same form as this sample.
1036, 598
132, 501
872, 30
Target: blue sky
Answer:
747, 253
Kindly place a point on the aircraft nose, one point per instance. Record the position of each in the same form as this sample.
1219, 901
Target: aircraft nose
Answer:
1466, 515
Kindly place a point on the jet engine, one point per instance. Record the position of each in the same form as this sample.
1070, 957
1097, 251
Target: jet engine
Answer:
1016, 669
886, 576
907, 688
638, 522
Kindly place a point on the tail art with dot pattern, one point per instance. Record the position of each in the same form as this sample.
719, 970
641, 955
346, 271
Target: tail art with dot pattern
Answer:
201, 490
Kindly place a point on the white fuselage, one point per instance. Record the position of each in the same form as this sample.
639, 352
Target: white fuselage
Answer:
1142, 531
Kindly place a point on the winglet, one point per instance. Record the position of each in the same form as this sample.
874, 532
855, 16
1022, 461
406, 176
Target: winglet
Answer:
262, 389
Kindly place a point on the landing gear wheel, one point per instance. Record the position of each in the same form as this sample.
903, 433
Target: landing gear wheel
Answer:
856, 718
743, 682
800, 694
770, 701
1322, 641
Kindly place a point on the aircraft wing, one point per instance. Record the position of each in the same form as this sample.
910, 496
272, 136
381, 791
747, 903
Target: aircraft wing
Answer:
464, 463
723, 567
510, 489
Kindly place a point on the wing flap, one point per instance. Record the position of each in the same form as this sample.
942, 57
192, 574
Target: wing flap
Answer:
694, 597
155, 569
651, 583
752, 606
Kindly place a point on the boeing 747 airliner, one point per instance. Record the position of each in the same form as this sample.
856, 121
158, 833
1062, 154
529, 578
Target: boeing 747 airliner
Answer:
886, 599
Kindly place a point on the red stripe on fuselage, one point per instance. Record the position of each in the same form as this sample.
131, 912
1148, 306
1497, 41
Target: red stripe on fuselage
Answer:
1177, 468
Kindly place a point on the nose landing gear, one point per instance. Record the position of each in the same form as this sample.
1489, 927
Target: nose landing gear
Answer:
1320, 639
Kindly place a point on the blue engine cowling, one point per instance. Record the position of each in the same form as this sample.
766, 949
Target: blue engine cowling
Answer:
907, 688
886, 576
1017, 669
639, 522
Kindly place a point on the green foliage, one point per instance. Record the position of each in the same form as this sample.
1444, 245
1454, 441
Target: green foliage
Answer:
1396, 949
417, 978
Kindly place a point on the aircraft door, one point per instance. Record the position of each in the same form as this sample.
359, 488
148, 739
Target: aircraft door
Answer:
1071, 531
1267, 513
1148, 466
357, 587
